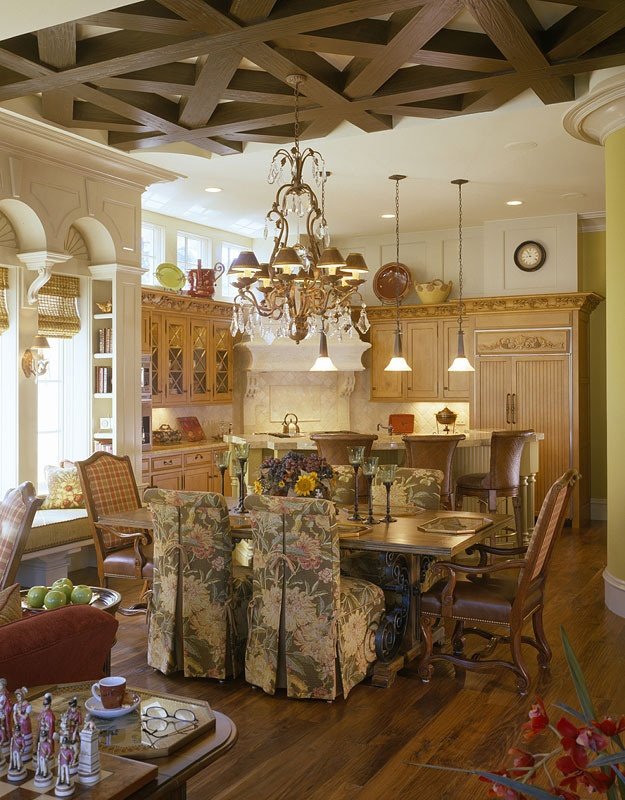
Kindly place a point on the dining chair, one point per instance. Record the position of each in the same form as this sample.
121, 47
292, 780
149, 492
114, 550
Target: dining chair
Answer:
435, 452
311, 629
497, 600
334, 448
413, 489
502, 479
17, 511
109, 487
198, 604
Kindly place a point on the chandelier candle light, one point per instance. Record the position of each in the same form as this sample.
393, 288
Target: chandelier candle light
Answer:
460, 363
397, 363
307, 286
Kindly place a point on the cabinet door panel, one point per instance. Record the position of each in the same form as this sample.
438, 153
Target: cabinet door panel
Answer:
198, 480
156, 352
422, 354
384, 385
541, 401
168, 480
455, 385
199, 362
176, 350
146, 338
493, 386
221, 354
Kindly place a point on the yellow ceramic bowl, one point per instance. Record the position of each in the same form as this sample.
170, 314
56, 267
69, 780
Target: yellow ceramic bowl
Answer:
436, 291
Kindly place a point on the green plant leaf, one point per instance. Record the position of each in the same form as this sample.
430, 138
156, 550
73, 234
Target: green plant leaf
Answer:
525, 788
579, 682
610, 758
570, 710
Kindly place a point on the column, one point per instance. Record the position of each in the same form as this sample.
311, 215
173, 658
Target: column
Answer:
599, 118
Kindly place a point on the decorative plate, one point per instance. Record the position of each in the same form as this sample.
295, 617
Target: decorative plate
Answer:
170, 276
96, 709
391, 281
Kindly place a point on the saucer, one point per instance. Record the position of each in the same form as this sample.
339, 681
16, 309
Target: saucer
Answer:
96, 709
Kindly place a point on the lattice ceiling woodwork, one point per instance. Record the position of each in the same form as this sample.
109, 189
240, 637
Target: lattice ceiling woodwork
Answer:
213, 72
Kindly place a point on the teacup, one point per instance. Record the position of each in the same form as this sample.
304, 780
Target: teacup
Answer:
110, 691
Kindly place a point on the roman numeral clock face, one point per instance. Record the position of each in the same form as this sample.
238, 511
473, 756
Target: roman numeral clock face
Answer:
530, 256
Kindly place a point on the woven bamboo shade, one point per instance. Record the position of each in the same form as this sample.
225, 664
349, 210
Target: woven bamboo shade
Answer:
4, 312
58, 308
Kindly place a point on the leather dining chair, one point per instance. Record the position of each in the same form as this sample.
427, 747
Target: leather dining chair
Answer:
498, 600
435, 452
502, 479
109, 486
333, 447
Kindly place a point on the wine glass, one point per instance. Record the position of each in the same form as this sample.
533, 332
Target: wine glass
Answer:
387, 477
222, 460
369, 470
356, 456
241, 452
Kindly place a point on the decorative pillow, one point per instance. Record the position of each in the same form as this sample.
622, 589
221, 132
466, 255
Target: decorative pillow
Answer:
10, 604
64, 489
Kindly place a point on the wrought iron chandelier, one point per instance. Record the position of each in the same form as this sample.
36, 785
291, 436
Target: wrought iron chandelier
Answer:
307, 287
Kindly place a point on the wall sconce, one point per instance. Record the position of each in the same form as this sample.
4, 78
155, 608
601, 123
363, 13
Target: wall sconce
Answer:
33, 362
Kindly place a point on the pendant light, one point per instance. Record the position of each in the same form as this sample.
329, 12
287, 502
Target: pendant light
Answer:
460, 363
324, 362
397, 363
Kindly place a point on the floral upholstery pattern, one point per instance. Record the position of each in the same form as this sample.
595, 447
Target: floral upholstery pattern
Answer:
64, 489
303, 616
198, 608
343, 488
414, 488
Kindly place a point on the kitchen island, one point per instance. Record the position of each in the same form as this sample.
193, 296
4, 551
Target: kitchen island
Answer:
472, 455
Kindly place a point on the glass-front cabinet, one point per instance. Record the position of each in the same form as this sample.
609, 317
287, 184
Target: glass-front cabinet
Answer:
176, 334
201, 389
221, 351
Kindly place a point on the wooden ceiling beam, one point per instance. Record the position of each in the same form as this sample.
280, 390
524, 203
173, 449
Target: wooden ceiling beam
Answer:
428, 20
128, 105
590, 34
219, 147
214, 75
251, 10
57, 45
58, 107
505, 28
139, 22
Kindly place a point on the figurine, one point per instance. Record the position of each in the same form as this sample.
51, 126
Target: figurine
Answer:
17, 770
21, 721
45, 751
65, 781
5, 718
71, 722
89, 760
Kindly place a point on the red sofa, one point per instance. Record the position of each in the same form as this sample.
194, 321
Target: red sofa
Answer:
62, 646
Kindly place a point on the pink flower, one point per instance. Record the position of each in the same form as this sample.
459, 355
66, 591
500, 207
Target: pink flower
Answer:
538, 720
609, 727
499, 790
591, 739
522, 760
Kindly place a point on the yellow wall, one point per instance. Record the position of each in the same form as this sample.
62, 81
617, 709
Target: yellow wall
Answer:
592, 278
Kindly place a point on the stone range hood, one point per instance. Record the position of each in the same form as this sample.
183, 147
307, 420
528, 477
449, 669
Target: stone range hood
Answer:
287, 356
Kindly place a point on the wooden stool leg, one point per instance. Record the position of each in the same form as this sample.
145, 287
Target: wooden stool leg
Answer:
459, 500
518, 522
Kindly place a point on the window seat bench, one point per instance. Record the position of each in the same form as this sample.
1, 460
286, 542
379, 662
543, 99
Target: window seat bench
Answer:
60, 540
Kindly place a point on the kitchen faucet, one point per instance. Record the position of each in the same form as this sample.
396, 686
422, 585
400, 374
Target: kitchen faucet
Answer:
290, 425
387, 428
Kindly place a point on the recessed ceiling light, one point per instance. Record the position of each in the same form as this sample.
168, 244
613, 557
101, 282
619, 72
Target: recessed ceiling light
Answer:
519, 147
212, 189
514, 202
387, 216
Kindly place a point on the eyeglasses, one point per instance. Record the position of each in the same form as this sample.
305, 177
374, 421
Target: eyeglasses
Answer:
157, 723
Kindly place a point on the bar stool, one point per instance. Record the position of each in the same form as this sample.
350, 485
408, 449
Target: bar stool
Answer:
502, 480
333, 447
434, 452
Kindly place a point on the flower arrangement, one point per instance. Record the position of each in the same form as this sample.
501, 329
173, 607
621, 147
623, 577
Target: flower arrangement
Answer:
302, 474
587, 754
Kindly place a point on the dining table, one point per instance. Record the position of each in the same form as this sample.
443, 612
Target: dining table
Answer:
405, 553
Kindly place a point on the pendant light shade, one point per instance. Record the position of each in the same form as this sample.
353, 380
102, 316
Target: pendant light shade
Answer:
323, 362
460, 363
397, 363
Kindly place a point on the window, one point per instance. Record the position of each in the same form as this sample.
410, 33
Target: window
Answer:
190, 249
228, 253
152, 250
50, 411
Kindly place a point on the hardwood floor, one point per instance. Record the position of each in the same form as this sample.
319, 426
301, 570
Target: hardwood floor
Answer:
364, 747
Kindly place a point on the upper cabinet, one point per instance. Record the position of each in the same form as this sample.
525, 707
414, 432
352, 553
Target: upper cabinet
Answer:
429, 347
190, 344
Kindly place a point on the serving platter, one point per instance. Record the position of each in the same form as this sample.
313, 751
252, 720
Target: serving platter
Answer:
170, 276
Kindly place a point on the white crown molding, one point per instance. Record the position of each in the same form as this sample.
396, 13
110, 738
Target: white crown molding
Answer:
614, 593
107, 271
287, 356
600, 113
591, 221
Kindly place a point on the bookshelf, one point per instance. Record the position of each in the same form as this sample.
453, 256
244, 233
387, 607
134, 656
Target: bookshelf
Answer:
103, 371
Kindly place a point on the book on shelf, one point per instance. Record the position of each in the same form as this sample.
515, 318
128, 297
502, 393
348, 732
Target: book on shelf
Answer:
108, 448
103, 380
105, 340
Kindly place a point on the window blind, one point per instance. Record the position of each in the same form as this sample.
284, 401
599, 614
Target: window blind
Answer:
58, 307
4, 312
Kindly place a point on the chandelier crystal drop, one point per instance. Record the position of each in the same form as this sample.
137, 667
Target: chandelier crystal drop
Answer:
307, 286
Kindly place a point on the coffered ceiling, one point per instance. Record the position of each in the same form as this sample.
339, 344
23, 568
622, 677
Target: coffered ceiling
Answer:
213, 73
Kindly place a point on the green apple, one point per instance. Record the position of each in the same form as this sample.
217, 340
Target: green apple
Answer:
55, 598
82, 595
36, 595
64, 585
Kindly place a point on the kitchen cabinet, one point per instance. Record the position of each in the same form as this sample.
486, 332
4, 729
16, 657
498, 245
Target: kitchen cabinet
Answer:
192, 469
190, 344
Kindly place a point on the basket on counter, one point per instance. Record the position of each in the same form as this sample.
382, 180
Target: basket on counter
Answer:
165, 434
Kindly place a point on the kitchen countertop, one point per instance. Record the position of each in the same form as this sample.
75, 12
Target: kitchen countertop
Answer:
172, 449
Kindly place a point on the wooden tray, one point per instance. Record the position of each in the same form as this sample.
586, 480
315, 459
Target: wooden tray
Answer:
130, 735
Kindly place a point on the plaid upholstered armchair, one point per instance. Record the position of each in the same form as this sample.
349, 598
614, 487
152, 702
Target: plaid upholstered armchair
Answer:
198, 605
109, 487
17, 511
311, 630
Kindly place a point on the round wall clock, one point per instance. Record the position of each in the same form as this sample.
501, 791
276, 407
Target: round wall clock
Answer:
530, 256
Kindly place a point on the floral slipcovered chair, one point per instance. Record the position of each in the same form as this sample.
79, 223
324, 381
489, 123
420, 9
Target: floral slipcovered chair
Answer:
310, 629
198, 606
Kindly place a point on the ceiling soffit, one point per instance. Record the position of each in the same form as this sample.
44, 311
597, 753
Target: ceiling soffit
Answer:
212, 73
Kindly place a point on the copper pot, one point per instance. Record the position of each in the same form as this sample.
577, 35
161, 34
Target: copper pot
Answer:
446, 417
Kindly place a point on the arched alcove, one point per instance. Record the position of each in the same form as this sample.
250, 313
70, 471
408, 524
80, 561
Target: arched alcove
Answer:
28, 228
75, 244
98, 241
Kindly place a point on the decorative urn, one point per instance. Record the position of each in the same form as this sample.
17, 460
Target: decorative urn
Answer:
446, 417
202, 281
